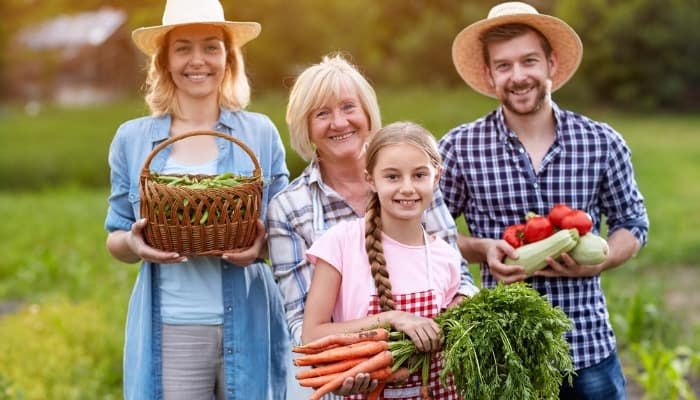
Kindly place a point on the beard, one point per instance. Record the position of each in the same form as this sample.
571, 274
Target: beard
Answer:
540, 88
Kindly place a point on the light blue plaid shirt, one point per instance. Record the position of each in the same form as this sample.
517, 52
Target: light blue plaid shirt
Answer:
488, 177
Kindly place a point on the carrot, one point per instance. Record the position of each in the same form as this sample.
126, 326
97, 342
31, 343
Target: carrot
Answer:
344, 339
310, 350
355, 350
318, 381
374, 395
377, 361
331, 368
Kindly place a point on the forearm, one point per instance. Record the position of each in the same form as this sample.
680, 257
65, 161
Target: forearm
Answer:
315, 331
473, 249
623, 245
118, 246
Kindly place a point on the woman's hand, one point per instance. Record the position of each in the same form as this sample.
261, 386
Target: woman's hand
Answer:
136, 243
424, 332
256, 251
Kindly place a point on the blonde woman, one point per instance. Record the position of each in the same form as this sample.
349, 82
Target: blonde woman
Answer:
384, 269
198, 327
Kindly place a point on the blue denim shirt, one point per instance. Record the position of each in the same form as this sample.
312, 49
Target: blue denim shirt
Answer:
256, 340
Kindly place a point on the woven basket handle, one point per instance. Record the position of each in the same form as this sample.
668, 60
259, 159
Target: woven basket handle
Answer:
146, 170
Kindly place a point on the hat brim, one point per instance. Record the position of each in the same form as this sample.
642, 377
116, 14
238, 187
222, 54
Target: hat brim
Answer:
149, 39
468, 59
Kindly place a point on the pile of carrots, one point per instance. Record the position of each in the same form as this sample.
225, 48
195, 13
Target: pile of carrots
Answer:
337, 357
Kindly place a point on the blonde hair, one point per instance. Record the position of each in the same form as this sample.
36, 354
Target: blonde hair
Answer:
234, 91
392, 134
317, 85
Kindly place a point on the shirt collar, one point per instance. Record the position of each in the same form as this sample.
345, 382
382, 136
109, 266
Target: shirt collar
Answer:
505, 134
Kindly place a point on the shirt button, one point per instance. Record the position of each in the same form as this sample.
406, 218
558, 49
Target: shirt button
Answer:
535, 185
229, 350
225, 266
521, 151
229, 308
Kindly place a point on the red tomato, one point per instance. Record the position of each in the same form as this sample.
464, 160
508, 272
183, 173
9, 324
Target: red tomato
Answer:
557, 213
579, 220
537, 228
514, 235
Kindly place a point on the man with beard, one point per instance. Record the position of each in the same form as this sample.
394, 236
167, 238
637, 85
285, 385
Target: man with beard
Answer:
529, 155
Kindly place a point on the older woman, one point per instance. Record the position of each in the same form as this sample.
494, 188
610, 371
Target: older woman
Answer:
331, 114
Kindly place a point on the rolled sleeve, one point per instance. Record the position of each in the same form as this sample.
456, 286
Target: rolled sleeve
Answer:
438, 221
623, 203
289, 266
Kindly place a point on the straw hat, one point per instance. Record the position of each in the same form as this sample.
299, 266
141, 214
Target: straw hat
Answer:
467, 54
184, 12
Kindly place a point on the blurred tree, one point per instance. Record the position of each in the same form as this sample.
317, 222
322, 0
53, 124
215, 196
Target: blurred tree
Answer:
638, 53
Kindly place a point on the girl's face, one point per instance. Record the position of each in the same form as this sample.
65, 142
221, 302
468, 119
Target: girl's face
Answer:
197, 60
404, 179
339, 128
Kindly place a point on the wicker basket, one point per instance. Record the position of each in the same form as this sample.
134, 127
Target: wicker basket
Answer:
213, 220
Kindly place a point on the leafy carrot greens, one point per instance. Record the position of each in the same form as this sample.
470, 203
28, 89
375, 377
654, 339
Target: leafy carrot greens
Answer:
506, 343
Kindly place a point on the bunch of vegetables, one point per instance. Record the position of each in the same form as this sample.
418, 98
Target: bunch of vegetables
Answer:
199, 213
503, 343
378, 352
563, 230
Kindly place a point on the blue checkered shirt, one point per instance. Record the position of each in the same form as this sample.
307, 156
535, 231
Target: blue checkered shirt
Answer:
301, 212
488, 178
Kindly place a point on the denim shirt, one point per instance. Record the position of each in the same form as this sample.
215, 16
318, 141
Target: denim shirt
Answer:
256, 340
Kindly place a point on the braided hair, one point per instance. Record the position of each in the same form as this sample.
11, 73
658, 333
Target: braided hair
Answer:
392, 134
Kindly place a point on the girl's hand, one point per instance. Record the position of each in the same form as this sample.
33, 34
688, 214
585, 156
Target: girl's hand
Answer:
457, 300
424, 332
361, 383
256, 251
137, 244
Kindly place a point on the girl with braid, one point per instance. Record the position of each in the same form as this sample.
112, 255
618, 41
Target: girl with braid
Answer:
384, 269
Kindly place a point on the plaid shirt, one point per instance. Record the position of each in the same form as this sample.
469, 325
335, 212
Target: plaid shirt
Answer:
488, 177
301, 212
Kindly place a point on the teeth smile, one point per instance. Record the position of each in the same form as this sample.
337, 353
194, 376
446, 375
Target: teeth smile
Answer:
342, 137
407, 202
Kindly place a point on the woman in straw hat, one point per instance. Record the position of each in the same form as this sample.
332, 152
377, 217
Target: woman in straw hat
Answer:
529, 155
332, 114
198, 327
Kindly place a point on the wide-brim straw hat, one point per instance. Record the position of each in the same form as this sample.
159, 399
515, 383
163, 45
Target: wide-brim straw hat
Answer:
186, 12
467, 53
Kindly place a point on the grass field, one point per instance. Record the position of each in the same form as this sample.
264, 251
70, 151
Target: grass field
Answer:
64, 299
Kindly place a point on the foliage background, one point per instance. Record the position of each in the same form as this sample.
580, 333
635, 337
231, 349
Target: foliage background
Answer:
63, 298
638, 53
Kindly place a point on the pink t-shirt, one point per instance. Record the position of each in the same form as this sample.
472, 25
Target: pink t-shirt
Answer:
343, 247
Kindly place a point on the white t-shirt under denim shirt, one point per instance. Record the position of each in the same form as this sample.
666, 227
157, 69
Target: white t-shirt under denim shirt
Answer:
191, 291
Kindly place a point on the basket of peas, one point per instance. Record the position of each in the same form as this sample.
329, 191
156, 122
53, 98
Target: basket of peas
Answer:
205, 215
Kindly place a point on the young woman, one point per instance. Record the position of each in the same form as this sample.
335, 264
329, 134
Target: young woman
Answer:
192, 320
384, 269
